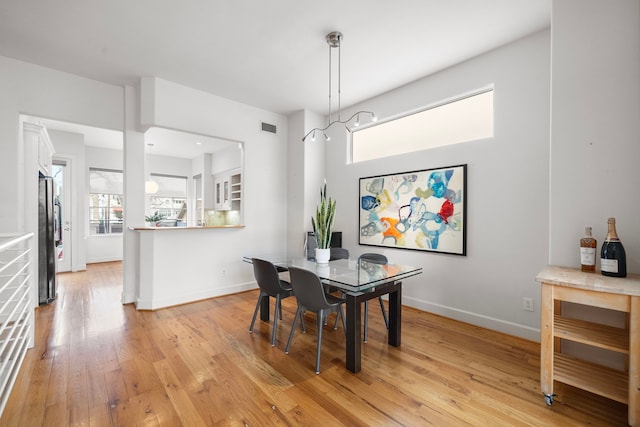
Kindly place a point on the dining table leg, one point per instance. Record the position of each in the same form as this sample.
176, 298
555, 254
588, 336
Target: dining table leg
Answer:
395, 315
354, 341
264, 309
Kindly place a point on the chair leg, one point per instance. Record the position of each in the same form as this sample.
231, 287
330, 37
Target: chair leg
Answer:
384, 313
319, 345
344, 322
293, 329
255, 313
275, 321
366, 321
302, 325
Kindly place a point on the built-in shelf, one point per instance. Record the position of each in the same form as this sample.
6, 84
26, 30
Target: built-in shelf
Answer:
228, 191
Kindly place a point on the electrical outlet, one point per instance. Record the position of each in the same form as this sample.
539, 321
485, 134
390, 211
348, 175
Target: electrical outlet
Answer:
527, 304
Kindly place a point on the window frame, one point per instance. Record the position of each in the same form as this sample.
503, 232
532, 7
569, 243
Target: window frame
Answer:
106, 224
173, 201
353, 145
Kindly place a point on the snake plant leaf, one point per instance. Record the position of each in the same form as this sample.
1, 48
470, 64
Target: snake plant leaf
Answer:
323, 222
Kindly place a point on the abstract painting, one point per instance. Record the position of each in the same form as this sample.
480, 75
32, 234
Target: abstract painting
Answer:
420, 210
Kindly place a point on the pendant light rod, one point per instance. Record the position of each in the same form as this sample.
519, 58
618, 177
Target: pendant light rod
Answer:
334, 39
330, 79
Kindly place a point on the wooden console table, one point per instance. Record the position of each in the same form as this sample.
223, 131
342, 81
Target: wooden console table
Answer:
592, 289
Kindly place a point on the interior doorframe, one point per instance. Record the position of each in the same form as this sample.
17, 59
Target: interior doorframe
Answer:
72, 202
66, 210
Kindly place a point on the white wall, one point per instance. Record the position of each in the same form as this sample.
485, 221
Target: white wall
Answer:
315, 165
306, 171
507, 193
169, 165
595, 133
214, 256
295, 183
595, 139
226, 159
43, 92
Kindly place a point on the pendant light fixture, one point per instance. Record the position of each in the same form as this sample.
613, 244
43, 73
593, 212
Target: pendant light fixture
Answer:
151, 187
333, 40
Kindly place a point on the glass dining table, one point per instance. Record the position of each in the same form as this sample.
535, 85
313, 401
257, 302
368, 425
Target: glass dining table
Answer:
359, 281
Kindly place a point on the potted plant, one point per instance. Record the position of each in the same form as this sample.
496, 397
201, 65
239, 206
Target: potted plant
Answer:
152, 220
323, 225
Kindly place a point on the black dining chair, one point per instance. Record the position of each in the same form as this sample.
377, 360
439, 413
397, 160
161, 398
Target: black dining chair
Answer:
373, 258
271, 285
311, 296
338, 253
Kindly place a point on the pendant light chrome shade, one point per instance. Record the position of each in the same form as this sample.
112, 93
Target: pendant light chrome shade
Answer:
334, 39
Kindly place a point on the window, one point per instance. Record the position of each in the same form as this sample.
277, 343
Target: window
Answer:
465, 119
170, 202
106, 213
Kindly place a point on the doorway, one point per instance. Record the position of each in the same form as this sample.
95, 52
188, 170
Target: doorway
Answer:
61, 172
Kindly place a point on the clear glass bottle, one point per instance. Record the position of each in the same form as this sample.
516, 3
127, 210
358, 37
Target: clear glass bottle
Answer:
588, 251
613, 260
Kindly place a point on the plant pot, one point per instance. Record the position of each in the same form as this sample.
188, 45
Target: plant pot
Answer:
323, 269
323, 255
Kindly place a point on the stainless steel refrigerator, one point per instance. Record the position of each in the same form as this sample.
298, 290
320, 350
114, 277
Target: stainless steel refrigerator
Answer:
46, 241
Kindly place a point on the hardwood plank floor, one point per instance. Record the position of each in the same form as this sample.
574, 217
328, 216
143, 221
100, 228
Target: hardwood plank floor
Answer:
97, 362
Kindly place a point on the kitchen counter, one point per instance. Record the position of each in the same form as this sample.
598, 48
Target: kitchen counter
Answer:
181, 266
184, 228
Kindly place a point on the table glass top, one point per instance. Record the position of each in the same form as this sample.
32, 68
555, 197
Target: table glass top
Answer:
348, 274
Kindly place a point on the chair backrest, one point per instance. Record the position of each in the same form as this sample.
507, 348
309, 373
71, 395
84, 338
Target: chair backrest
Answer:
308, 289
267, 277
339, 253
310, 245
374, 257
372, 263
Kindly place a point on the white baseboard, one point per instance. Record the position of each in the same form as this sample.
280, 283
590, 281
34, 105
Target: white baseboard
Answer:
522, 331
207, 293
105, 259
510, 328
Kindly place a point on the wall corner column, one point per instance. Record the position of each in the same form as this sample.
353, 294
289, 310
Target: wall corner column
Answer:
134, 199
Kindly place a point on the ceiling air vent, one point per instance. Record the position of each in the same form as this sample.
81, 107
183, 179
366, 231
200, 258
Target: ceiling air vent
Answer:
268, 127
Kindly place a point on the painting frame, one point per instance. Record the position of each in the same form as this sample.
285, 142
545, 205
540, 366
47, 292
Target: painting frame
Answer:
422, 210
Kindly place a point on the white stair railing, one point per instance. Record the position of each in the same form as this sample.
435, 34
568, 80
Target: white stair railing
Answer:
16, 307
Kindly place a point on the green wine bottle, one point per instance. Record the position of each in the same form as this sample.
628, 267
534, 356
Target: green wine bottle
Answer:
613, 260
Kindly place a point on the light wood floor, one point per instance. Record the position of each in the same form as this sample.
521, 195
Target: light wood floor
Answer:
99, 363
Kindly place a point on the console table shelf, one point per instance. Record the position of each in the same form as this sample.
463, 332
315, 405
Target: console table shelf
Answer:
597, 379
562, 284
594, 334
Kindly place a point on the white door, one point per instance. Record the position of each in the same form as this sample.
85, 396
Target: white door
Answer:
61, 172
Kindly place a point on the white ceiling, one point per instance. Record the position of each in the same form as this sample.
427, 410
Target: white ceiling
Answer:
269, 54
